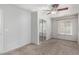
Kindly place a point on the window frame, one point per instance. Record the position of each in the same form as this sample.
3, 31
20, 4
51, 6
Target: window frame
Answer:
64, 32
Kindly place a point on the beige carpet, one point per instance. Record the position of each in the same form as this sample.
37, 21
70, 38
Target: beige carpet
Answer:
49, 47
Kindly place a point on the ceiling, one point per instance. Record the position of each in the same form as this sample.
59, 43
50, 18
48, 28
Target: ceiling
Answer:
73, 8
32, 7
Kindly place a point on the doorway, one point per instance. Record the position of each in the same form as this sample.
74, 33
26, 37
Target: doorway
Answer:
42, 30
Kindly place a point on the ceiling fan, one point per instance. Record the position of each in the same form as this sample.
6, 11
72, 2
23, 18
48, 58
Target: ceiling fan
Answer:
54, 9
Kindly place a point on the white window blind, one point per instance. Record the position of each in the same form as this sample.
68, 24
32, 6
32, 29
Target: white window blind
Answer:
64, 27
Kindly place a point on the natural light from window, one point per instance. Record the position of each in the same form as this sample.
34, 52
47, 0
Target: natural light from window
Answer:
64, 27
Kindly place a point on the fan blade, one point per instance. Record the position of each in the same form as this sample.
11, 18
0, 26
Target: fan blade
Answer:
48, 13
55, 5
62, 9
46, 10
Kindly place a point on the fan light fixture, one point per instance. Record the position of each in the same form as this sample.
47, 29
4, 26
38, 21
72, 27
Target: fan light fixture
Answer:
53, 12
54, 9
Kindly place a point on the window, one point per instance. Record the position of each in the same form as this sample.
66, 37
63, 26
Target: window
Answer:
64, 27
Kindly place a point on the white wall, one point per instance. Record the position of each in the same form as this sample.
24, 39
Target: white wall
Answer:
34, 28
78, 28
1, 31
54, 33
17, 27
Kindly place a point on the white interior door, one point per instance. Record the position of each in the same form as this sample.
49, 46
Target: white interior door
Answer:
1, 32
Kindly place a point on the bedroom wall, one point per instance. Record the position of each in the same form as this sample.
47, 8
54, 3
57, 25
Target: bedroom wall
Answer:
17, 27
78, 28
34, 28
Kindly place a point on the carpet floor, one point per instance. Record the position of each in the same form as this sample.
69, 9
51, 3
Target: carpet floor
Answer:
48, 47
